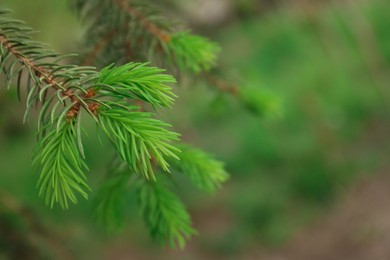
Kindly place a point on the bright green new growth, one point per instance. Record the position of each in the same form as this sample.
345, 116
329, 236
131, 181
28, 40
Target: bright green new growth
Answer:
139, 139
137, 81
165, 215
192, 51
204, 171
61, 173
148, 35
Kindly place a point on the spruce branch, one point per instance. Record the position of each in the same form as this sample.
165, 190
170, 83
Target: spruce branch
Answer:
147, 32
192, 51
222, 85
204, 171
256, 100
164, 214
182, 48
138, 138
145, 22
109, 202
64, 91
20, 54
139, 82
112, 97
125, 26
61, 169
98, 47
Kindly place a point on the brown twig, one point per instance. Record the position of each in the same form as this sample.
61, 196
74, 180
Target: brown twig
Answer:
222, 85
147, 24
27, 242
99, 46
45, 75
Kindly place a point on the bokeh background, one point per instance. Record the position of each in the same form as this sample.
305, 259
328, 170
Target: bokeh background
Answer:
312, 183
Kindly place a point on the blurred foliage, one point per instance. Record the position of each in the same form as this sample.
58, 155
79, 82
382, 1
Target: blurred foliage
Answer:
331, 74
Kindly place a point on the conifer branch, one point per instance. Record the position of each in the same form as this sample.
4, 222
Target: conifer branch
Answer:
256, 100
104, 95
148, 25
143, 144
222, 85
187, 50
204, 171
138, 138
38, 71
139, 28
139, 82
164, 214
61, 167
110, 199
31, 56
98, 47
148, 34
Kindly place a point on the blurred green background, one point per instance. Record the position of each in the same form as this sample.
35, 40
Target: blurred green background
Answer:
328, 63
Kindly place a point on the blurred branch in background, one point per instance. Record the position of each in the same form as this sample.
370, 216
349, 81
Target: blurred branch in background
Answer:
24, 236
